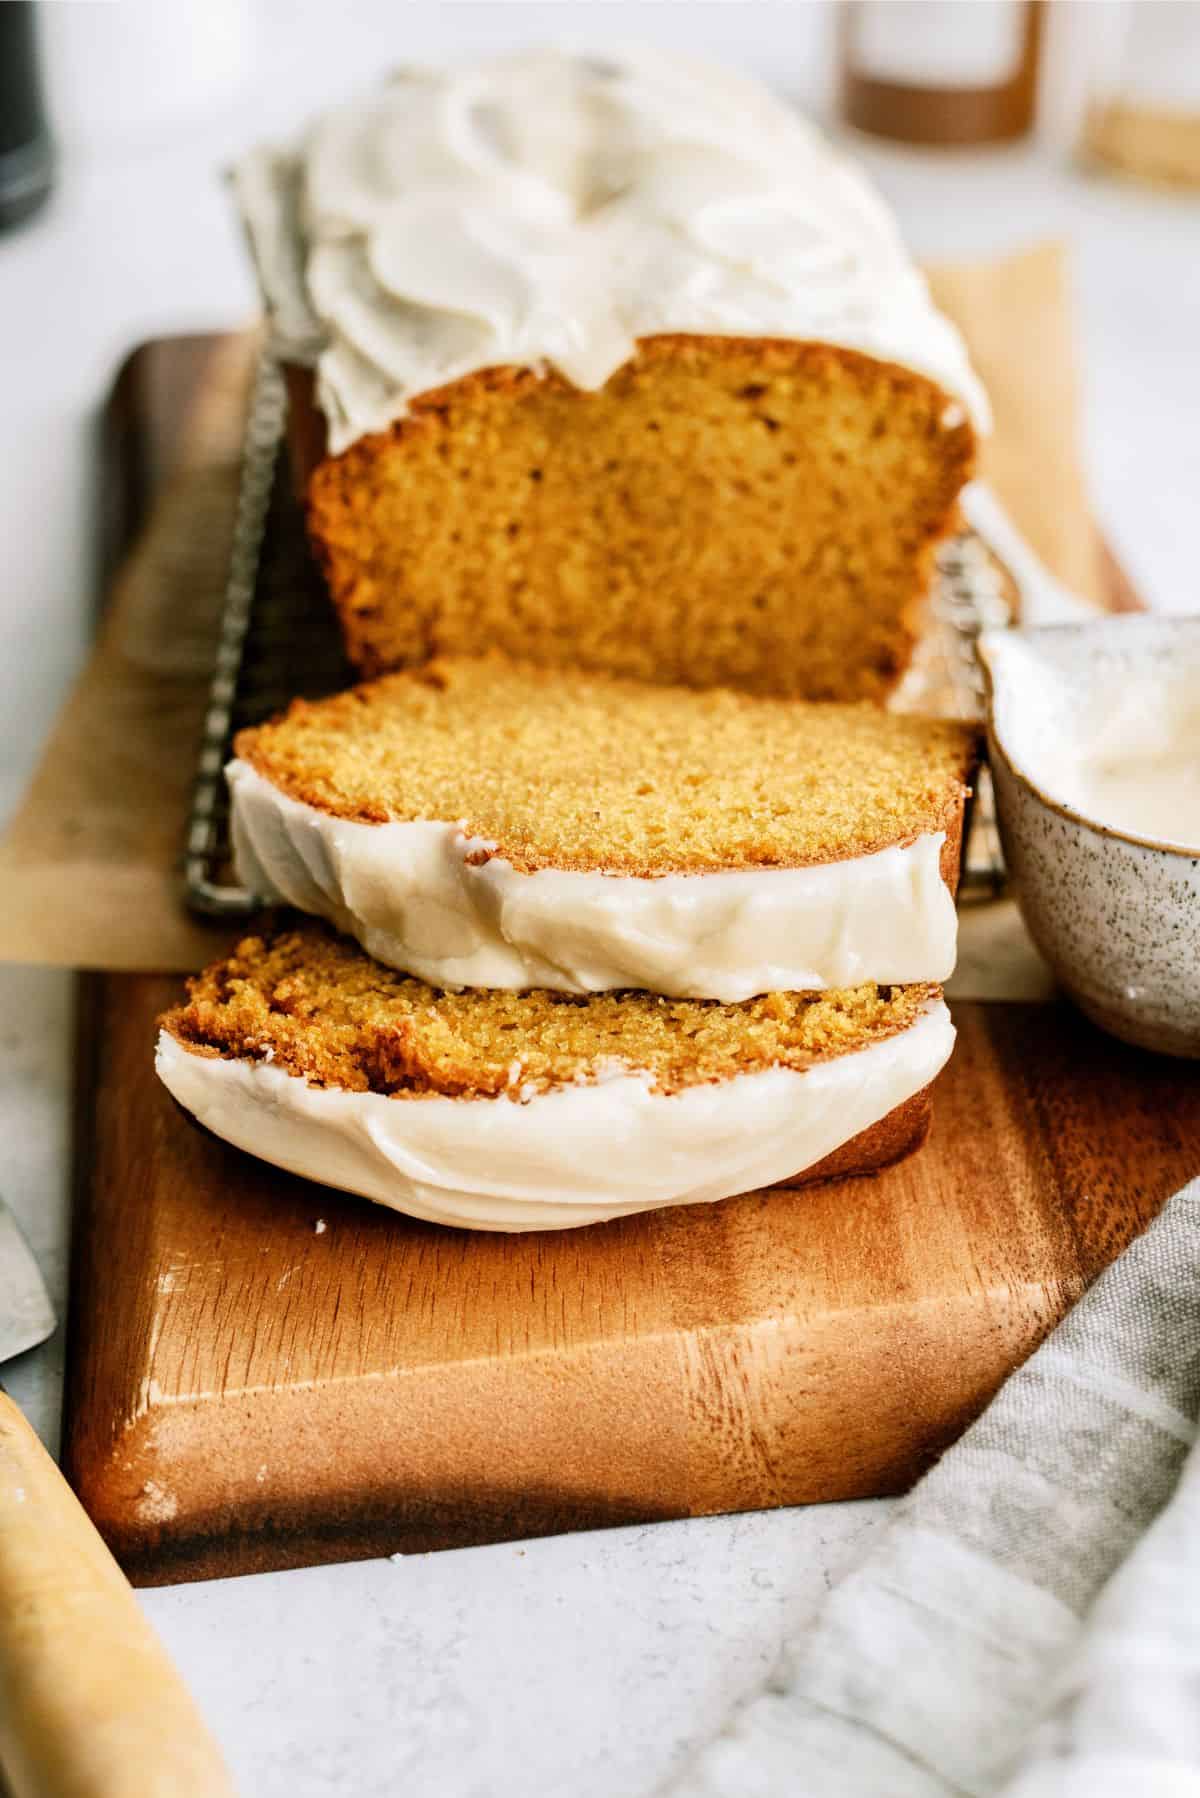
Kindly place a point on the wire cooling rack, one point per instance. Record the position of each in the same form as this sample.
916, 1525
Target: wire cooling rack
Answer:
279, 640
971, 593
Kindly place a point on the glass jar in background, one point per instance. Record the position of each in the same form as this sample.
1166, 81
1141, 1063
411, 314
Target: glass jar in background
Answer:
1139, 112
940, 71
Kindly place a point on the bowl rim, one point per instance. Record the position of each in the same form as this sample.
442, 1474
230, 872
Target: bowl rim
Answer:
997, 748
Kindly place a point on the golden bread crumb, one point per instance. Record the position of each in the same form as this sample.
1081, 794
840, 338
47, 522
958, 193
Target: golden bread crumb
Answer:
727, 511
313, 1004
557, 769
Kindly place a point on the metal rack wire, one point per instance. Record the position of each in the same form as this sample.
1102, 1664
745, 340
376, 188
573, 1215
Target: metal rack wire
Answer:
278, 639
971, 595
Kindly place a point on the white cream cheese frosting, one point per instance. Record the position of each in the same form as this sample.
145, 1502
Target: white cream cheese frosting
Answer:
550, 210
577, 1154
411, 894
1106, 721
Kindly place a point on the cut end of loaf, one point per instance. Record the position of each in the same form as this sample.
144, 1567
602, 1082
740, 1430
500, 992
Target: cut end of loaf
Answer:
725, 511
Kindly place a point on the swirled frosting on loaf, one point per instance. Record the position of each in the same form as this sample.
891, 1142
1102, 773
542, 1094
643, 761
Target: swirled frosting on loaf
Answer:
549, 210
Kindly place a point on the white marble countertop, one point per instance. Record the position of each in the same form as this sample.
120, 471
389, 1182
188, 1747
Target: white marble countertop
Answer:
585, 1664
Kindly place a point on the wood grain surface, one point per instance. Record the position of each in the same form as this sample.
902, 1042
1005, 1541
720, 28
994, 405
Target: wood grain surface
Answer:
263, 1373
249, 1390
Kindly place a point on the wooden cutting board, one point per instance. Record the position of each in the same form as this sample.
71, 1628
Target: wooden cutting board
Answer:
264, 1374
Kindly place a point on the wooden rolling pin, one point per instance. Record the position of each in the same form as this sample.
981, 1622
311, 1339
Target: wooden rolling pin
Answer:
90, 1706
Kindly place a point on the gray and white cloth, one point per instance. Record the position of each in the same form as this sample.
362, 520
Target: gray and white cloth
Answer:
1028, 1623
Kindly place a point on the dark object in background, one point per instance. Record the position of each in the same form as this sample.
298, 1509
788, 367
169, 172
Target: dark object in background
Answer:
940, 71
26, 154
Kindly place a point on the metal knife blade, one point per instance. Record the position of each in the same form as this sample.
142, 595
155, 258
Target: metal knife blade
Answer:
26, 1314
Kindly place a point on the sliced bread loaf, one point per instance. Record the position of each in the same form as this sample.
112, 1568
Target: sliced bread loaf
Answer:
491, 823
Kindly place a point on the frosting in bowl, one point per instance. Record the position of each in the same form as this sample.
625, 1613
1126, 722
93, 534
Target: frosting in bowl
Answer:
1093, 740
1105, 721
550, 210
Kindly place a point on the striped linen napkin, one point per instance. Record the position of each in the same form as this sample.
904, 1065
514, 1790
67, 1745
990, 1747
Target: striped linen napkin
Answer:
1028, 1623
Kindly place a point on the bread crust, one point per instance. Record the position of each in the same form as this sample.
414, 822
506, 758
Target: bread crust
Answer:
894, 1137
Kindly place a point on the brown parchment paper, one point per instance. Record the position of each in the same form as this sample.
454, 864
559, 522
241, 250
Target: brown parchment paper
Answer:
90, 866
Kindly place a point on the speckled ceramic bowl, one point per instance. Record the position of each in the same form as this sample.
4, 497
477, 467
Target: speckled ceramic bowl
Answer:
1116, 913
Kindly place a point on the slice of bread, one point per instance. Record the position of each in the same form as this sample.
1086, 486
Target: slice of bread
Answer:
490, 823
316, 1006
524, 1110
560, 769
